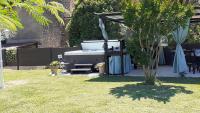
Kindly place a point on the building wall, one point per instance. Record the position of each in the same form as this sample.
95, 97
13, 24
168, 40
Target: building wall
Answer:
53, 35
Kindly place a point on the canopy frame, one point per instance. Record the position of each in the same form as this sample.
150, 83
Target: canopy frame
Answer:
117, 17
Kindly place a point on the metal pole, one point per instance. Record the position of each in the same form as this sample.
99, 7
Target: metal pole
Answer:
122, 56
1, 66
106, 58
18, 64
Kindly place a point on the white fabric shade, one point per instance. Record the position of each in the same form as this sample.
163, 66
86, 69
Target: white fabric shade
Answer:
1, 66
103, 29
179, 65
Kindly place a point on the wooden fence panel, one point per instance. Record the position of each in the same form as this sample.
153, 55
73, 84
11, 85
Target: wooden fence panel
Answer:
4, 57
58, 51
39, 56
33, 56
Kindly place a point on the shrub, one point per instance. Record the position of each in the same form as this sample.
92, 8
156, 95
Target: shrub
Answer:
194, 36
11, 55
55, 63
84, 24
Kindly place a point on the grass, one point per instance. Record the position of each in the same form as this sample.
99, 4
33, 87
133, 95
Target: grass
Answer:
35, 91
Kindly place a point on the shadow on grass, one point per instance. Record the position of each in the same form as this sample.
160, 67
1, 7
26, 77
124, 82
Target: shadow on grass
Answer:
159, 93
116, 79
141, 79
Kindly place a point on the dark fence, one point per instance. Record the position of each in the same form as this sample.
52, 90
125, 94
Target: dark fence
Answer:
4, 56
38, 56
191, 46
43, 56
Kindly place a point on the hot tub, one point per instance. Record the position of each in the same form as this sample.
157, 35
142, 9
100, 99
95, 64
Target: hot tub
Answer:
85, 52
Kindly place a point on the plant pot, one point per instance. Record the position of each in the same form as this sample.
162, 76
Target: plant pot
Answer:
101, 69
54, 70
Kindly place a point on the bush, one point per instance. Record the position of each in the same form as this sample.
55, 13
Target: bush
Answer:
84, 24
194, 35
55, 63
11, 56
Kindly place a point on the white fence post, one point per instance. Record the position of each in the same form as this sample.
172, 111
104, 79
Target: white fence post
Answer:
1, 65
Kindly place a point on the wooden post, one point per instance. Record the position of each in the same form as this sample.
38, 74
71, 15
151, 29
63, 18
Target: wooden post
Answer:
5, 58
18, 64
122, 56
36, 45
51, 55
106, 57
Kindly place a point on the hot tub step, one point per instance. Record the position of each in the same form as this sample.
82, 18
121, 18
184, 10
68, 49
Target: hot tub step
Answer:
83, 65
81, 70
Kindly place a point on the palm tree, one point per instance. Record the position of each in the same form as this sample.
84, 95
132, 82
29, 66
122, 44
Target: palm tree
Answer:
9, 17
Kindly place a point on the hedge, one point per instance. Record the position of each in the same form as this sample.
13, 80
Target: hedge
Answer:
84, 24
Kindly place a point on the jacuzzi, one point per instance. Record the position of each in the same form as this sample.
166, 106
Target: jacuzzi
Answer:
85, 52
93, 52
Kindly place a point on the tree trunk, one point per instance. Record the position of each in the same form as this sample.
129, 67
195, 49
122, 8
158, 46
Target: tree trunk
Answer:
150, 75
150, 70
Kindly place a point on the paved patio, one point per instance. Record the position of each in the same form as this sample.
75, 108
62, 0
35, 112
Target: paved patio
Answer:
163, 71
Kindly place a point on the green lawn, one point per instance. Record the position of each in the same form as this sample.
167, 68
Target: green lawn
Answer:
37, 92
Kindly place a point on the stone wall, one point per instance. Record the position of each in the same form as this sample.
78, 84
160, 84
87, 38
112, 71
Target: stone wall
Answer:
53, 35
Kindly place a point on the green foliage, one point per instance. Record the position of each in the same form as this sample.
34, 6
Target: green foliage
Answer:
55, 63
134, 49
11, 55
84, 24
194, 35
9, 18
150, 20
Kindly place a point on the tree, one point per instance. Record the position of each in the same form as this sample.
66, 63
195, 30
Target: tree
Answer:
150, 20
10, 20
84, 23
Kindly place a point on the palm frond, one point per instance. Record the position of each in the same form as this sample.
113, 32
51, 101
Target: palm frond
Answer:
9, 23
36, 8
36, 12
54, 9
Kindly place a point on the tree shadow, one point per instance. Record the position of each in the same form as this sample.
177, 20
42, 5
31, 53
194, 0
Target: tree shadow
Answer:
181, 80
141, 79
138, 91
116, 79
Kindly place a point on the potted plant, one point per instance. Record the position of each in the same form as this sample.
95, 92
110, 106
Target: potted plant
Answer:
54, 65
101, 68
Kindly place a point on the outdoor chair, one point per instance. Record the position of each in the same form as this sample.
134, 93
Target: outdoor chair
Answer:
197, 58
191, 60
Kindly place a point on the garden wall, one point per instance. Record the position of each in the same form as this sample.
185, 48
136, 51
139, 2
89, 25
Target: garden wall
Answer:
52, 36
